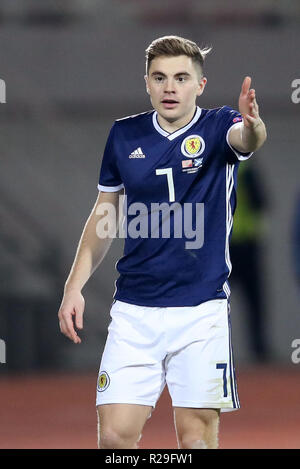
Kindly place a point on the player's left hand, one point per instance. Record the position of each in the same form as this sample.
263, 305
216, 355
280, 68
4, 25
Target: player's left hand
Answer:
248, 106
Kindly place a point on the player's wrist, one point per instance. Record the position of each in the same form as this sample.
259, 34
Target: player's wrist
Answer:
71, 288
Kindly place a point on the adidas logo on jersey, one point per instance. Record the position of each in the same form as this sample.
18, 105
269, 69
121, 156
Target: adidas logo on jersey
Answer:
138, 153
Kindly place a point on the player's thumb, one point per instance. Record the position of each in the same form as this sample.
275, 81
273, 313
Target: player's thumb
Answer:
79, 316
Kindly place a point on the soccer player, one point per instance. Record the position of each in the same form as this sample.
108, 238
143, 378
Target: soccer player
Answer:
170, 320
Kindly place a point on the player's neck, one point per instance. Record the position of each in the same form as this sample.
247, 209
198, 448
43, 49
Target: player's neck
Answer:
173, 125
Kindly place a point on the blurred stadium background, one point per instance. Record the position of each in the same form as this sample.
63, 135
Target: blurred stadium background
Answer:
71, 68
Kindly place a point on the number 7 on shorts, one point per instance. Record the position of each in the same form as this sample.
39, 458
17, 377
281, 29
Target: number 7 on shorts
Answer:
223, 366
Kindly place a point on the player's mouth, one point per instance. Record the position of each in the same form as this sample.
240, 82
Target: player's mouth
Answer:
169, 103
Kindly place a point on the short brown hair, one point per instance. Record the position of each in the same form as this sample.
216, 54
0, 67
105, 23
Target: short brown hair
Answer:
174, 46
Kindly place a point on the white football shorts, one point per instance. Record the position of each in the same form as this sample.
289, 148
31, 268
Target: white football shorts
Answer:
188, 348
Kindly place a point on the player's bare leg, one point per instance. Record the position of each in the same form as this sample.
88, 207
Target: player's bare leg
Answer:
120, 425
197, 428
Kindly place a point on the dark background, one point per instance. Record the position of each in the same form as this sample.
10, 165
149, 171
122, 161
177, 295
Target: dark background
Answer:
71, 68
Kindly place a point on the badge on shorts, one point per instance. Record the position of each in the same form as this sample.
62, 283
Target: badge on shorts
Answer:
103, 381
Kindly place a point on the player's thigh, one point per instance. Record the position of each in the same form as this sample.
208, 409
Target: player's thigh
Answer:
122, 421
197, 428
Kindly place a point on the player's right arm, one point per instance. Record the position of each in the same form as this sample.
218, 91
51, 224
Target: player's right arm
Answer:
90, 252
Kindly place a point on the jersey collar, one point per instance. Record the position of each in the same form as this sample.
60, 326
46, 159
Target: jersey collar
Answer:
171, 136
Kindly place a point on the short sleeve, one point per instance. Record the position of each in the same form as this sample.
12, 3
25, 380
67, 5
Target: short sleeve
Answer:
232, 118
110, 179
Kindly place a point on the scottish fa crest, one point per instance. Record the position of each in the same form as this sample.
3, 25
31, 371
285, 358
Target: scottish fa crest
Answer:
192, 146
103, 381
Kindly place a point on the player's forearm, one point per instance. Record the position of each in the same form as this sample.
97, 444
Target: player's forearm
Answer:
90, 252
252, 138
92, 248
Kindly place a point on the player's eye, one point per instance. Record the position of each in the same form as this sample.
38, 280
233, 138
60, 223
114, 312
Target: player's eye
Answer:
159, 79
181, 79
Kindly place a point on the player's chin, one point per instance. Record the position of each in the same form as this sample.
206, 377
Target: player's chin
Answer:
173, 113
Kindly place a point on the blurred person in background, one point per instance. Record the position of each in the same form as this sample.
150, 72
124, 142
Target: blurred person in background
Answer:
296, 240
170, 315
246, 255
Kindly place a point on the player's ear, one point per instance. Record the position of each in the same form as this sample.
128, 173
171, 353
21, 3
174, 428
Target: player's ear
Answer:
201, 86
147, 87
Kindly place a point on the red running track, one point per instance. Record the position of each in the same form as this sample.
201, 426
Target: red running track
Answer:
57, 411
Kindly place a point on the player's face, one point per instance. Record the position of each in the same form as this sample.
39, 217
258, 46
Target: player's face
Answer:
173, 84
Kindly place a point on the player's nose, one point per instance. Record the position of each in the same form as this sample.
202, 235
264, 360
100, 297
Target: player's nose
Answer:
169, 86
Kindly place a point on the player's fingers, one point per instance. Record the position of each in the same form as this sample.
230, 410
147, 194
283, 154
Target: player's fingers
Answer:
251, 94
254, 109
67, 327
250, 120
79, 309
246, 85
72, 334
79, 318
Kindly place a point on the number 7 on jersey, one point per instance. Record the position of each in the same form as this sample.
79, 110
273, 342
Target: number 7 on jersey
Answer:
170, 180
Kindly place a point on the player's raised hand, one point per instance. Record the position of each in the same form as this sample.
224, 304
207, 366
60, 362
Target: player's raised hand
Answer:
70, 314
248, 106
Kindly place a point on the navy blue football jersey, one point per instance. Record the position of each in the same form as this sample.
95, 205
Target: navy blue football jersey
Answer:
180, 197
